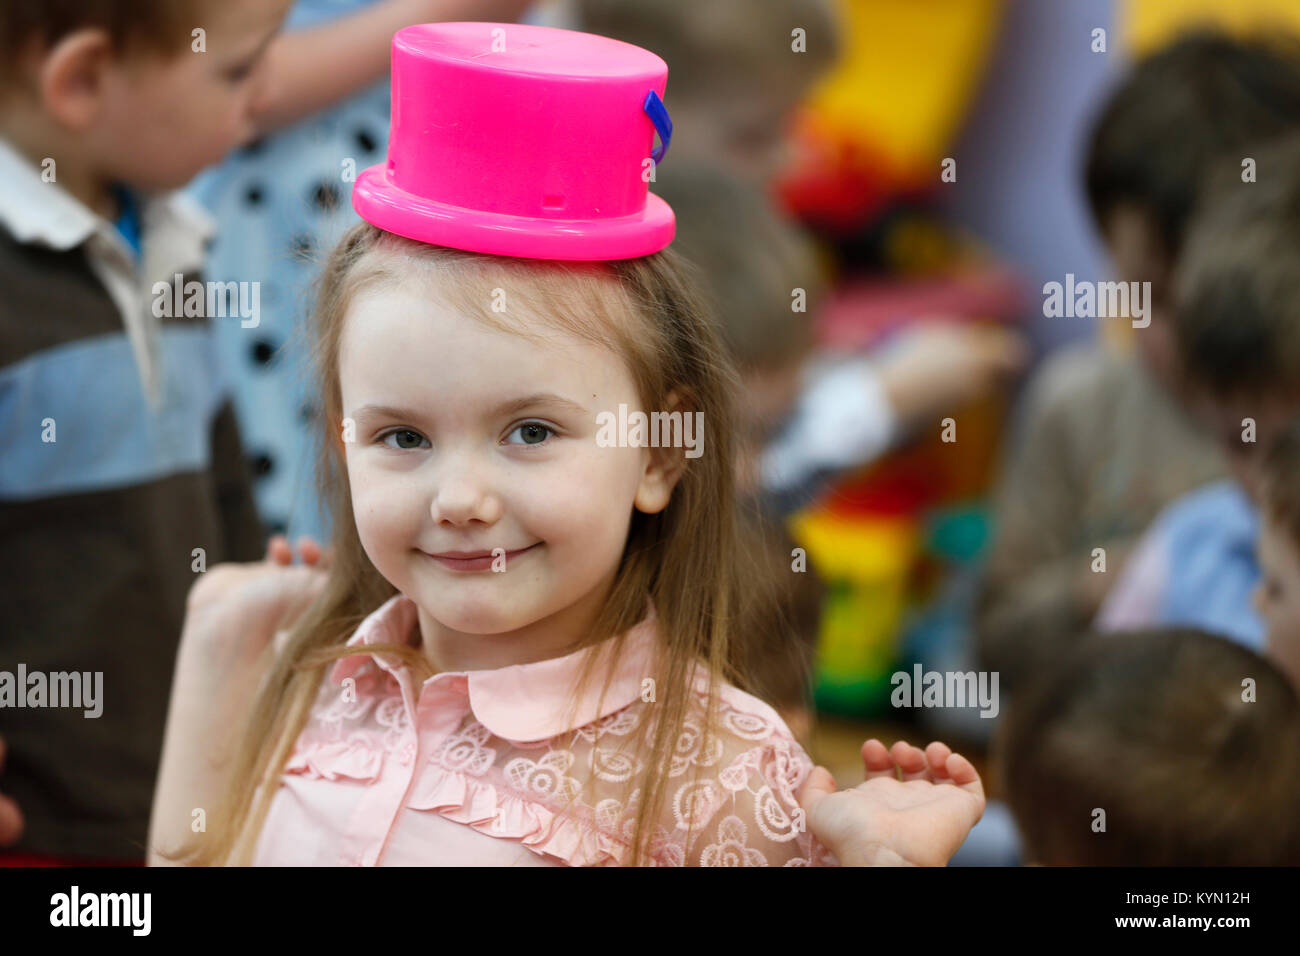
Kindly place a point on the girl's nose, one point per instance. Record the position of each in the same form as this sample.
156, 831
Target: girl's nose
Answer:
461, 499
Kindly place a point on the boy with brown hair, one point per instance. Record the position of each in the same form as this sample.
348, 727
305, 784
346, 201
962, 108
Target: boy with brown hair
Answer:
1105, 441
1156, 748
123, 471
1277, 597
1237, 326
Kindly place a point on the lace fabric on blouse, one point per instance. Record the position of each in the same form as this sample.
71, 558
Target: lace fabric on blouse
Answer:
483, 757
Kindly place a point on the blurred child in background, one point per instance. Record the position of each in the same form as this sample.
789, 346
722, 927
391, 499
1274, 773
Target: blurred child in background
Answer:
1156, 748
1105, 442
736, 83
748, 258
736, 80
1277, 597
751, 262
104, 522
1237, 326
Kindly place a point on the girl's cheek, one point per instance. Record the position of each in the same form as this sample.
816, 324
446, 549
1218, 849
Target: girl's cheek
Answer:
582, 487
560, 511
373, 500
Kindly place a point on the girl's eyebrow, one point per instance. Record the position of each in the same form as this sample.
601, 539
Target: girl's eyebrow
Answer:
539, 398
505, 408
385, 411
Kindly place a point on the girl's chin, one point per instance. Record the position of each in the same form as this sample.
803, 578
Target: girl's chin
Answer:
487, 621
486, 617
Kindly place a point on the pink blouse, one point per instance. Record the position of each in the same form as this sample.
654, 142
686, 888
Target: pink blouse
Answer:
474, 768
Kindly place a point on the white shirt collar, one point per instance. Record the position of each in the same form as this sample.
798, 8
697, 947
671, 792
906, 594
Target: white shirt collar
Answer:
174, 228
44, 213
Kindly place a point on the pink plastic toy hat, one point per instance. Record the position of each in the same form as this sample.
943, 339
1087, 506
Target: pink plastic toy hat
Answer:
522, 140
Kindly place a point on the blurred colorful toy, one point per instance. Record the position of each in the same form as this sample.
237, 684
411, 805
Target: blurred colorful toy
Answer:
877, 126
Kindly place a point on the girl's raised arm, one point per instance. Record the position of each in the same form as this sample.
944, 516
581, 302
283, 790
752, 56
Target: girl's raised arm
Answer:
232, 614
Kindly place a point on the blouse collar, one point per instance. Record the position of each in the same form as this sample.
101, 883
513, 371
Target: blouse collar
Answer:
522, 702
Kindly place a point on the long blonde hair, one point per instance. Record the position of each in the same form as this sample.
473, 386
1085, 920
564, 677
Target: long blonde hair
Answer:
685, 559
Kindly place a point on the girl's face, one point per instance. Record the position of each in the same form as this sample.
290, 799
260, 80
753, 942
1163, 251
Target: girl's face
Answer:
469, 440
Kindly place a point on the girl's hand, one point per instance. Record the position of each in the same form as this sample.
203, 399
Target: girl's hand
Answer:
920, 820
232, 614
234, 610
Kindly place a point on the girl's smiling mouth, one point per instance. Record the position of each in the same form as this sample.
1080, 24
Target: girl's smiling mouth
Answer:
478, 560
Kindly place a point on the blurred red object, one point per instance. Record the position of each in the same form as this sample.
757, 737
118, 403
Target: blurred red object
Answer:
837, 186
862, 311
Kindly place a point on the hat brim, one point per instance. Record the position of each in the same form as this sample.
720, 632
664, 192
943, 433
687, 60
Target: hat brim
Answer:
381, 203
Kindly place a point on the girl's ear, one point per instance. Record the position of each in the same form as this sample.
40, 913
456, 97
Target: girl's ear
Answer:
72, 77
664, 466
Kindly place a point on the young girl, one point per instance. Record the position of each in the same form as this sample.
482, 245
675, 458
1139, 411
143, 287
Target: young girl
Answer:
523, 650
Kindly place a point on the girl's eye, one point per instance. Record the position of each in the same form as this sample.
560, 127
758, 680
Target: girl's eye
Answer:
532, 433
402, 435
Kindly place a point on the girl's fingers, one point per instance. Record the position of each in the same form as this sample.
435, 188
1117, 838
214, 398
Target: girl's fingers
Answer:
309, 550
278, 550
819, 785
935, 763
965, 776
876, 760
963, 772
910, 760
936, 755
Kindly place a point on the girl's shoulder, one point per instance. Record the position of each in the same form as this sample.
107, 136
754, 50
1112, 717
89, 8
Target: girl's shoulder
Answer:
743, 716
732, 790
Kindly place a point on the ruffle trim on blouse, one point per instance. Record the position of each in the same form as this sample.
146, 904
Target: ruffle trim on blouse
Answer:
478, 804
496, 813
499, 813
355, 758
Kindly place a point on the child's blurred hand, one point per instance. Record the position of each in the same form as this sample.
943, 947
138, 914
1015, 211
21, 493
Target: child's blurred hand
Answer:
11, 818
920, 820
930, 371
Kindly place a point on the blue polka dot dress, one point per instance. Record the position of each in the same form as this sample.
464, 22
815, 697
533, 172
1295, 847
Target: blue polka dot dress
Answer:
281, 204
